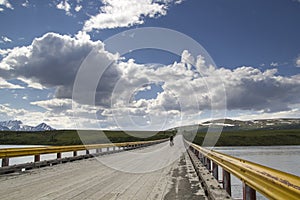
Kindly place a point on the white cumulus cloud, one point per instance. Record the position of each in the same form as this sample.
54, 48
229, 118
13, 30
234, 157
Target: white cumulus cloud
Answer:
125, 13
64, 5
78, 8
54, 56
6, 4
5, 39
52, 61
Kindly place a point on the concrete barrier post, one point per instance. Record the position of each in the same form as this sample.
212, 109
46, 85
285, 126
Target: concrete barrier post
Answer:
107, 149
226, 181
37, 158
215, 171
5, 162
248, 192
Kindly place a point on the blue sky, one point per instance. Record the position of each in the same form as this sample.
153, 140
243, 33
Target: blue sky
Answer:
254, 44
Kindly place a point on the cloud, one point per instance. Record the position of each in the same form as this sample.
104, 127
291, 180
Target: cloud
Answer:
25, 4
33, 118
298, 62
274, 64
31, 84
10, 113
70, 7
5, 84
6, 4
52, 61
5, 39
292, 113
60, 114
262, 65
125, 13
64, 5
248, 88
78, 8
55, 105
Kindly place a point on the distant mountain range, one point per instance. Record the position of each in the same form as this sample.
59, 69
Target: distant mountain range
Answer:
237, 125
17, 125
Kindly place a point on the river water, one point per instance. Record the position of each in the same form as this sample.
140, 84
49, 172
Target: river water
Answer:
284, 158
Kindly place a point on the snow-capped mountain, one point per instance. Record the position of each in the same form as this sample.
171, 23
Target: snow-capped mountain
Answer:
17, 125
43, 127
239, 125
257, 124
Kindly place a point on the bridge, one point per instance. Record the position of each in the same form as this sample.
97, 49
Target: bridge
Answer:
138, 170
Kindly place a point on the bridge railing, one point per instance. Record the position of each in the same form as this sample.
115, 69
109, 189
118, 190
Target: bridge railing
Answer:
6, 154
271, 183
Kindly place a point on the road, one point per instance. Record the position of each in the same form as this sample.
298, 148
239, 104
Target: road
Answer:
155, 172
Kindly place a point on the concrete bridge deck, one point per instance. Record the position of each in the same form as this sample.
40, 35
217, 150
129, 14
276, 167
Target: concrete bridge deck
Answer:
155, 172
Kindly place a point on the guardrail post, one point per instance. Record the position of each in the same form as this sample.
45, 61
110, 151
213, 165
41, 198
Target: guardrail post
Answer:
197, 153
194, 150
208, 164
215, 170
98, 150
37, 158
74, 153
114, 148
58, 155
5, 162
226, 181
201, 158
107, 149
204, 160
248, 192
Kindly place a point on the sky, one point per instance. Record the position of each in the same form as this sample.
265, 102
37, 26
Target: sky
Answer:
248, 66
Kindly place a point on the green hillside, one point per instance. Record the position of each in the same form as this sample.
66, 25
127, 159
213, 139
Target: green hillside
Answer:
253, 137
71, 137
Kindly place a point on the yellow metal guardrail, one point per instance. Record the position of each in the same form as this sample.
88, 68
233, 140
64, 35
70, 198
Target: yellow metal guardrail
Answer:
272, 183
30, 151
